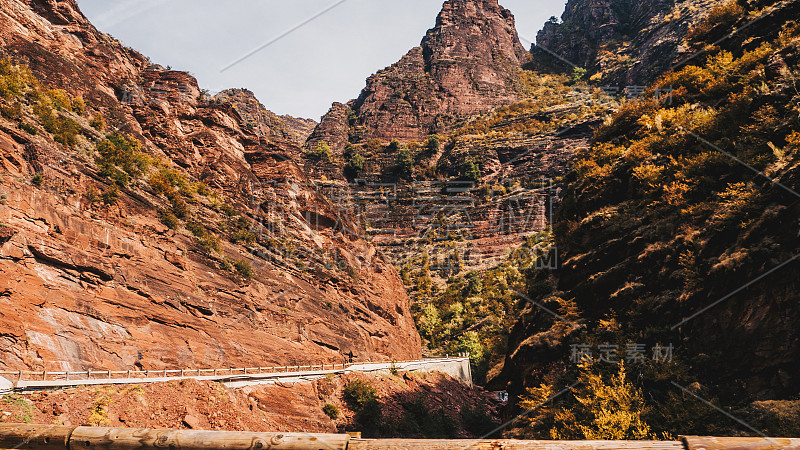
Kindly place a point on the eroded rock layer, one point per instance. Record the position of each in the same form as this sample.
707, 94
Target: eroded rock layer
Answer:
87, 283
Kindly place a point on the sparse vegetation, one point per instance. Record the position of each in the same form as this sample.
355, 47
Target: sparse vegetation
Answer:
28, 128
404, 160
169, 219
111, 195
360, 394
98, 416
120, 158
26, 416
355, 165
244, 268
321, 152
98, 122
331, 411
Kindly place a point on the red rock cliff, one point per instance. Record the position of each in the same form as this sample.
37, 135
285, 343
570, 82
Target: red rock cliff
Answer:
84, 284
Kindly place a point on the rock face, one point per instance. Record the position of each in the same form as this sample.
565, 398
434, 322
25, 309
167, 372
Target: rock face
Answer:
629, 42
87, 285
263, 122
716, 288
467, 63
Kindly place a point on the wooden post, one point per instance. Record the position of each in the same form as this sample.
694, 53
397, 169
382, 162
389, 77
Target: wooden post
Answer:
129, 439
44, 437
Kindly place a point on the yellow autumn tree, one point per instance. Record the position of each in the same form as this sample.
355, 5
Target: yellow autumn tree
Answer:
608, 408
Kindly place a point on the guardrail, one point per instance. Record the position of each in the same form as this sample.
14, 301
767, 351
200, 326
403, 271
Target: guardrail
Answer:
28, 380
53, 437
20, 375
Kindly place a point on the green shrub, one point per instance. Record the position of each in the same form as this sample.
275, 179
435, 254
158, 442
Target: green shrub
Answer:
471, 343
210, 242
59, 99
14, 80
244, 268
37, 179
78, 106
92, 195
722, 16
354, 166
167, 218
227, 209
578, 74
26, 415
243, 236
226, 265
111, 195
98, 123
119, 158
179, 206
433, 143
28, 128
64, 130
608, 407
165, 179
321, 152
331, 411
202, 189
470, 171
197, 229
359, 394
404, 161
12, 111
477, 419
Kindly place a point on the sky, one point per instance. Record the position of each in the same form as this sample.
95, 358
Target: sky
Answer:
297, 56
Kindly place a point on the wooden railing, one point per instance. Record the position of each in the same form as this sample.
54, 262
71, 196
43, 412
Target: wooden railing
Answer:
54, 437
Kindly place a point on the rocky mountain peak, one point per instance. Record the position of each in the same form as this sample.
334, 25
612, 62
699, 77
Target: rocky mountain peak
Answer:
477, 42
467, 63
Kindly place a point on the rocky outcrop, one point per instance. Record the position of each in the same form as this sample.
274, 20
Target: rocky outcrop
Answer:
467, 63
627, 42
88, 285
263, 122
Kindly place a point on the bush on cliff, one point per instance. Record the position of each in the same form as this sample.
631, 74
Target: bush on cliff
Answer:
120, 158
